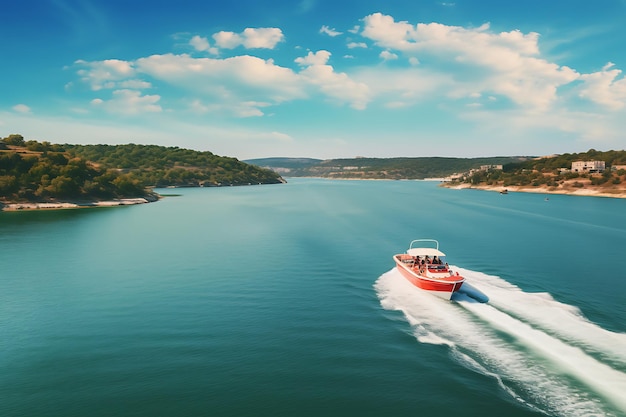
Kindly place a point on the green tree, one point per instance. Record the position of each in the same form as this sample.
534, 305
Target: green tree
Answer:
63, 186
15, 140
128, 186
8, 184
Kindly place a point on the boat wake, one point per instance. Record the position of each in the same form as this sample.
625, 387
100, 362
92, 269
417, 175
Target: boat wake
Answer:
543, 353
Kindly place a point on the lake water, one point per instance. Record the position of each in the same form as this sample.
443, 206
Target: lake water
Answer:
281, 300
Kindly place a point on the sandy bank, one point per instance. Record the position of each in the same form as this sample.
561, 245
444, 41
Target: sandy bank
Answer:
588, 192
68, 205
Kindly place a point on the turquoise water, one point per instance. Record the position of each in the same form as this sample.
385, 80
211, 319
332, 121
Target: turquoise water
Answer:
282, 301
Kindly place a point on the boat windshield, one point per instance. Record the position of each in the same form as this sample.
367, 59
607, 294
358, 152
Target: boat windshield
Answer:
437, 267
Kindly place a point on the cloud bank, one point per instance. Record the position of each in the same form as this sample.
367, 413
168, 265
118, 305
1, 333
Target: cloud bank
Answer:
473, 74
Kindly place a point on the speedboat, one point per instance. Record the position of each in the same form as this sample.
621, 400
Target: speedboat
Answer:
424, 266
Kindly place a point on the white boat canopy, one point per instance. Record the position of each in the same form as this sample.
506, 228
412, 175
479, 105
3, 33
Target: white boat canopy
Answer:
425, 251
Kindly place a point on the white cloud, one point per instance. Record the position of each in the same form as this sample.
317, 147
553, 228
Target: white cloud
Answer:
397, 104
608, 66
241, 110
248, 79
337, 86
226, 82
103, 74
202, 44
386, 55
250, 109
227, 40
240, 78
133, 84
197, 106
604, 88
504, 63
129, 102
318, 58
250, 38
262, 37
199, 43
388, 33
330, 32
353, 45
21, 108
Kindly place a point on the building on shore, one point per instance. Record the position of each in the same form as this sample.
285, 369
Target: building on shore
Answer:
490, 167
588, 166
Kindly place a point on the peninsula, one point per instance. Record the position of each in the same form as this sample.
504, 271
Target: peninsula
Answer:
41, 175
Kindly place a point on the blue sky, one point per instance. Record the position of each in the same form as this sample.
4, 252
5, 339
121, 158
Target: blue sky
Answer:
318, 78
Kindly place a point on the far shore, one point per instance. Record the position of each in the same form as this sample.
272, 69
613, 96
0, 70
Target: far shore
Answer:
585, 191
72, 205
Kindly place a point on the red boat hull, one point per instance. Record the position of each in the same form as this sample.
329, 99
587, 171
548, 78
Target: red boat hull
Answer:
442, 287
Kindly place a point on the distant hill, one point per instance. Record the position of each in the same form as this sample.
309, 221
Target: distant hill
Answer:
379, 168
281, 162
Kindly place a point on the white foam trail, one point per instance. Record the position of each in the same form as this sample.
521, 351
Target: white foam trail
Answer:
605, 380
541, 310
540, 378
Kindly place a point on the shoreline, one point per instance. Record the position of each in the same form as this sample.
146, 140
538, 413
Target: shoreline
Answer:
581, 192
28, 206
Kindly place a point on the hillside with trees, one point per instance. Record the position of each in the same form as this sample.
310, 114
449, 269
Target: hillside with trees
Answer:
160, 166
554, 173
378, 168
32, 171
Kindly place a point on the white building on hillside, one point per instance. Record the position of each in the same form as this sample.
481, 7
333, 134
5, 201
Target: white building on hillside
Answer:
588, 166
490, 167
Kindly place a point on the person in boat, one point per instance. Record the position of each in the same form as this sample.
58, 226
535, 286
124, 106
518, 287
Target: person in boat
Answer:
435, 261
